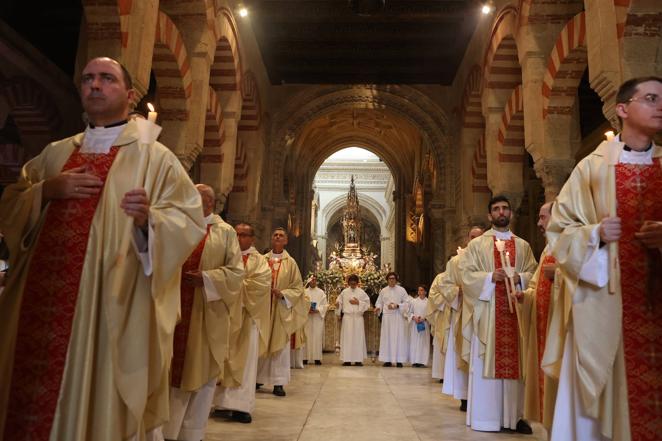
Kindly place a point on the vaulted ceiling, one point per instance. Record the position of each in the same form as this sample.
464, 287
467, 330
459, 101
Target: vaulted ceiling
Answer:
345, 41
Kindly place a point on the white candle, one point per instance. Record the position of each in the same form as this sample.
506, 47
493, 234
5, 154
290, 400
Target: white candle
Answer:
151, 116
609, 135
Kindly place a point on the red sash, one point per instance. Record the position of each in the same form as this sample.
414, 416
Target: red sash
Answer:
506, 348
543, 294
48, 307
639, 198
180, 341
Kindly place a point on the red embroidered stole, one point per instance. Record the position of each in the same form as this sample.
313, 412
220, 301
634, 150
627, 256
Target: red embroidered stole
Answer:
48, 307
543, 298
639, 198
274, 265
180, 341
506, 348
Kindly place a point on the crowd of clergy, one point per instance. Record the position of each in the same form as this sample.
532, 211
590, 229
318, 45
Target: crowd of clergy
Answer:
131, 311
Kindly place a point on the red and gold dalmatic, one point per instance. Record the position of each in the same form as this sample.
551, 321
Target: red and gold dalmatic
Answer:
49, 305
182, 328
639, 196
506, 347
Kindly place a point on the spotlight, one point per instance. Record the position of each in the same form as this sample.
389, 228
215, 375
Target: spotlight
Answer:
487, 7
243, 12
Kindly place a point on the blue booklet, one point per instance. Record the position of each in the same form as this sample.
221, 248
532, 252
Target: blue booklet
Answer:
420, 327
313, 306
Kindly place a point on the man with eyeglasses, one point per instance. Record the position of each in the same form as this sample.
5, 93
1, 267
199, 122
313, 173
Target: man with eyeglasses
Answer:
249, 333
609, 386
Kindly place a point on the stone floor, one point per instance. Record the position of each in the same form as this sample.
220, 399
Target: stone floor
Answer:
336, 403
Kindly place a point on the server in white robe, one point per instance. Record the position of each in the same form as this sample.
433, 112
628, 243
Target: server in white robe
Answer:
352, 303
315, 323
393, 345
419, 330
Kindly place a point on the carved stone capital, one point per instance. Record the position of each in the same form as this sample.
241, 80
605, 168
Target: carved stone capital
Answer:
554, 173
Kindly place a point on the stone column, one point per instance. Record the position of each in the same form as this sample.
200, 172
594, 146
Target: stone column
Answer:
604, 54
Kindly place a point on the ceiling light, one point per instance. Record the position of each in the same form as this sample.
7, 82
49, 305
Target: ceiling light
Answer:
487, 8
243, 12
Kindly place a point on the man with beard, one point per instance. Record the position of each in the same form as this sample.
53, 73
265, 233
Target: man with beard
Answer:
495, 388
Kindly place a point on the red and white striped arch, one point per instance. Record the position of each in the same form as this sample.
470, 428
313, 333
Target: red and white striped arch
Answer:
511, 129
240, 183
125, 11
171, 67
250, 109
472, 116
214, 133
565, 67
32, 110
226, 67
479, 168
501, 64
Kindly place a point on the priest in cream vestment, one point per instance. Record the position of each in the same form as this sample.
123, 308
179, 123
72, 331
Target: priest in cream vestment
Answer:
289, 311
496, 366
211, 280
249, 333
86, 337
609, 385
449, 292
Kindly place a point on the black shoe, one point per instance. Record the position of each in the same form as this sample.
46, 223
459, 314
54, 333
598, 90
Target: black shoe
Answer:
222, 413
347, 363
279, 391
258, 386
241, 417
387, 364
305, 362
358, 363
523, 427
318, 362
441, 381
398, 365
463, 405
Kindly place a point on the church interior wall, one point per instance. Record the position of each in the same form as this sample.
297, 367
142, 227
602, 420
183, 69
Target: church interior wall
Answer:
514, 97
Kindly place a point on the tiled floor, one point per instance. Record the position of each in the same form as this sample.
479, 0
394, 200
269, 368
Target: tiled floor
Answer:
332, 402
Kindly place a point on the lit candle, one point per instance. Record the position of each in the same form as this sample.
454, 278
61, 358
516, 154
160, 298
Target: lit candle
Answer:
151, 116
609, 135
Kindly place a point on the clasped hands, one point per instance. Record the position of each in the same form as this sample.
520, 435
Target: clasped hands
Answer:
650, 233
276, 293
78, 183
354, 301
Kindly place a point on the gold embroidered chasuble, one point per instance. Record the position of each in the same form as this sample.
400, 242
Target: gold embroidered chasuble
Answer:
594, 314
121, 339
286, 321
253, 307
476, 262
209, 332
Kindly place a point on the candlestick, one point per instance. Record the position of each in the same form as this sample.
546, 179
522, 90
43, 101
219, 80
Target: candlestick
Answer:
151, 116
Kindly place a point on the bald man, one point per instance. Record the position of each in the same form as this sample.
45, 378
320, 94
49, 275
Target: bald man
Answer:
86, 325
540, 388
210, 285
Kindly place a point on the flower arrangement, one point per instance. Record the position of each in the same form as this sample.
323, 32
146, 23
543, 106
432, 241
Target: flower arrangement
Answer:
330, 280
373, 280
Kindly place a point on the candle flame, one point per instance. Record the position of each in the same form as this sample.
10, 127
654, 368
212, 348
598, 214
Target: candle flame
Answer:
150, 107
609, 134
